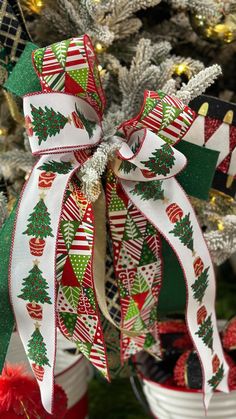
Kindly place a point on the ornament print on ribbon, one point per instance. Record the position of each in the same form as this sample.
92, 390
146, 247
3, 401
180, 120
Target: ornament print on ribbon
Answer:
145, 170
53, 238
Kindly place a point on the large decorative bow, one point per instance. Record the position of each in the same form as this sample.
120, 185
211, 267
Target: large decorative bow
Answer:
143, 200
51, 269
53, 251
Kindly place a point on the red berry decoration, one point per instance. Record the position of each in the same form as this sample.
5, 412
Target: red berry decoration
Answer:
174, 213
229, 335
198, 266
201, 314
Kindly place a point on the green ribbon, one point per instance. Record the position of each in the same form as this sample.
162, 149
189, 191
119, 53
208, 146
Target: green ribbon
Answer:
6, 314
23, 79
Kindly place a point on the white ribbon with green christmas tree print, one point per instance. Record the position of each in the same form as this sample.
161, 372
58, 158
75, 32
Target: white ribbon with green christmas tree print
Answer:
59, 125
146, 166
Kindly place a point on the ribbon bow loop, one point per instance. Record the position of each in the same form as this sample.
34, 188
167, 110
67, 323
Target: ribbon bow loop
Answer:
59, 122
146, 157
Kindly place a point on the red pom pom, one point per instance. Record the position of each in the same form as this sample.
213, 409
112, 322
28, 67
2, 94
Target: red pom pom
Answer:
179, 370
15, 386
229, 335
19, 395
232, 378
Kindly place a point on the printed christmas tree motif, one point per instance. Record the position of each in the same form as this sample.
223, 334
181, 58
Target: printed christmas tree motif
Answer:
72, 295
38, 58
150, 230
90, 295
139, 325
149, 341
205, 332
150, 104
149, 190
37, 352
79, 264
184, 230
153, 316
139, 285
122, 289
39, 227
39, 222
161, 94
162, 160
132, 310
47, 122
80, 76
90, 126
217, 377
116, 204
57, 167
132, 231
69, 320
126, 166
170, 113
165, 138
84, 348
68, 230
200, 285
60, 51
34, 287
147, 256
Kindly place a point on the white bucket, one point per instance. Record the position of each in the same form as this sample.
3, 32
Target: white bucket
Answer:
175, 403
72, 372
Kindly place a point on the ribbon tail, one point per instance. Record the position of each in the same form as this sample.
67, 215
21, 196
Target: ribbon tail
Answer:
138, 269
78, 313
175, 219
32, 280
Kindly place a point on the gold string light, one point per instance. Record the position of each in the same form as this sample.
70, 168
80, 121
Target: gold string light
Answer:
182, 69
99, 47
33, 6
223, 32
3, 131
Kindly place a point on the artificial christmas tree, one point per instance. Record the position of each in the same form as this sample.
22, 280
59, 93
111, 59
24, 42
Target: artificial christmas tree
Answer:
39, 227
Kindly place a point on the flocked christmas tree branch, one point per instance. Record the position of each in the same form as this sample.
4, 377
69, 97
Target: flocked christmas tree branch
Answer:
3, 208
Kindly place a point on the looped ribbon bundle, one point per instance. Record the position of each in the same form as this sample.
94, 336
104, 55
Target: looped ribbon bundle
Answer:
52, 258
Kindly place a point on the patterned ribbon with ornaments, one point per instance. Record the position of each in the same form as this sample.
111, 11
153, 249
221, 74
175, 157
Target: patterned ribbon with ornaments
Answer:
143, 200
51, 269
